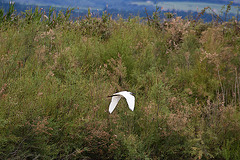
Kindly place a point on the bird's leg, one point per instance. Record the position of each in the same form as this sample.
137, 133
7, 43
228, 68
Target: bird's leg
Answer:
112, 95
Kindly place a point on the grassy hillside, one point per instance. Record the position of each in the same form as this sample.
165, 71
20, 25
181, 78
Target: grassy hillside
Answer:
55, 76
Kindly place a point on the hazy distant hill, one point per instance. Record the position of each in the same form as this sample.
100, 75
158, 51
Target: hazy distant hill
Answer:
127, 7
100, 4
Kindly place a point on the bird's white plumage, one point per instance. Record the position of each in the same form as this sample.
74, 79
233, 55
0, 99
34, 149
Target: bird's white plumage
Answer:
114, 103
117, 96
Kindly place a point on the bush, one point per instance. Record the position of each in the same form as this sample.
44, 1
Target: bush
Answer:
56, 75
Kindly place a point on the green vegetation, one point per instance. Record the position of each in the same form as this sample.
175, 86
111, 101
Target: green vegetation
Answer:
55, 76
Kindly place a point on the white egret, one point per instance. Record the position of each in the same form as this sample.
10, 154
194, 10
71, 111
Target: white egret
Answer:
117, 96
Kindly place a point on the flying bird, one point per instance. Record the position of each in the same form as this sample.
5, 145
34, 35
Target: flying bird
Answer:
117, 96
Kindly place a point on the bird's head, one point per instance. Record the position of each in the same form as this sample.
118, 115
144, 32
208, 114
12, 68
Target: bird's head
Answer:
132, 93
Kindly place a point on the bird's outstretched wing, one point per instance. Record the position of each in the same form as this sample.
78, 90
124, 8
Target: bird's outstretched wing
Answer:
114, 103
130, 99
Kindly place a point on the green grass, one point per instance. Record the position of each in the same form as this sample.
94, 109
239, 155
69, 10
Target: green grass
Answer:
56, 75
